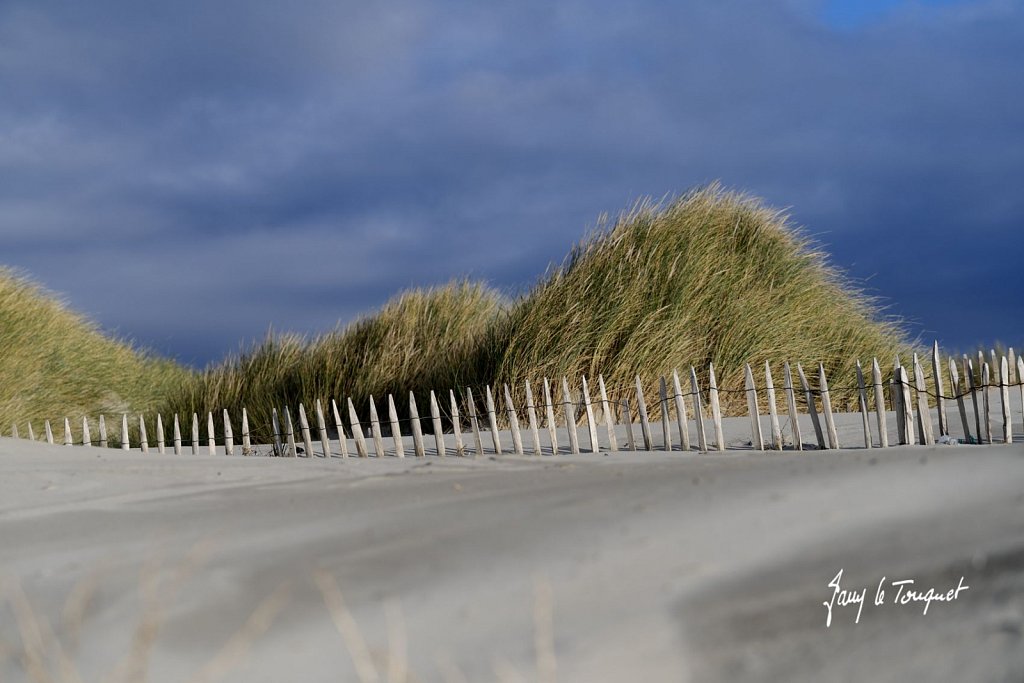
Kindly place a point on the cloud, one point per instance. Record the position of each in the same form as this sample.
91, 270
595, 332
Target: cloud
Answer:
297, 165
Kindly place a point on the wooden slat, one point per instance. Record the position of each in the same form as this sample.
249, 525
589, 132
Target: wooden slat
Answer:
161, 447
862, 396
102, 430
986, 422
794, 422
940, 402
435, 422
417, 428
883, 427
14, 431
307, 436
569, 413
195, 433
143, 438
246, 436
86, 436
340, 427
31, 434
591, 421
756, 437
698, 412
957, 389
321, 429
211, 434
716, 408
1020, 384
125, 442
681, 421
492, 421
549, 409
68, 439
1011, 359
474, 423
897, 402
276, 422
460, 447
641, 404
531, 413
924, 414
968, 366
176, 436
666, 431
811, 407
773, 411
378, 436
1004, 396
826, 405
357, 430
396, 428
49, 430
630, 441
229, 435
289, 433
513, 422
908, 406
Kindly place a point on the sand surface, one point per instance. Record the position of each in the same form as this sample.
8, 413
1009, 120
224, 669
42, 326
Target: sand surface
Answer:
623, 567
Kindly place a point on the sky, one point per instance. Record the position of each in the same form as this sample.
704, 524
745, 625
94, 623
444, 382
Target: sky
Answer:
190, 174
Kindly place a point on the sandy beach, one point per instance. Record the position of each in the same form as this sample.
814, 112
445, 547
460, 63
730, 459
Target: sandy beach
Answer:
628, 566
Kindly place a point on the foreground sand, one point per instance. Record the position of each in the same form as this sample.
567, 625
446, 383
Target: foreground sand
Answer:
631, 566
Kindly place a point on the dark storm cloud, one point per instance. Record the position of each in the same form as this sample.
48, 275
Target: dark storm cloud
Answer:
194, 173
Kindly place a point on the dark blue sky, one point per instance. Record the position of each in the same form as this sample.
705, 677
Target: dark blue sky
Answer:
191, 173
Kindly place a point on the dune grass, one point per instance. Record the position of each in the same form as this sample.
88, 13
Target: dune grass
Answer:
56, 364
712, 276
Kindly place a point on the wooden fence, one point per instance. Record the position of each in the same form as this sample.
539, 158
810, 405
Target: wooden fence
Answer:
677, 409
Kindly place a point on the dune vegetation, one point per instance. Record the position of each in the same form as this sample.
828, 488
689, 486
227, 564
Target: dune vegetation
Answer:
711, 276
54, 364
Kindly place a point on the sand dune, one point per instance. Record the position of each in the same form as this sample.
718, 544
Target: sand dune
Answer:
630, 566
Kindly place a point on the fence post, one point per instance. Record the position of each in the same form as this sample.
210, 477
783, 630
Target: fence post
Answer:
549, 409
378, 439
474, 423
31, 434
246, 438
897, 403
1012, 360
954, 381
666, 433
569, 412
908, 405
684, 430
940, 402
773, 414
86, 436
924, 415
460, 447
1004, 396
160, 445
883, 427
698, 412
211, 441
125, 443
531, 412
417, 428
229, 435
794, 423
143, 439
985, 381
595, 446
862, 395
629, 425
340, 426
968, 366
716, 408
1020, 383
49, 432
435, 420
492, 420
14, 430
513, 422
68, 440
756, 437
641, 405
396, 428
826, 405
357, 430
278, 447
177, 436
289, 432
321, 427
811, 408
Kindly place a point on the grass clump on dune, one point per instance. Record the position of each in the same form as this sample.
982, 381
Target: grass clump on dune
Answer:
712, 276
56, 364
422, 339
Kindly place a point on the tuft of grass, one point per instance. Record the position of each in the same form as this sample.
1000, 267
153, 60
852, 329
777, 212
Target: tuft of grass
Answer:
57, 364
712, 276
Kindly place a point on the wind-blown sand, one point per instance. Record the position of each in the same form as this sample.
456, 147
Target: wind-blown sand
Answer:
659, 566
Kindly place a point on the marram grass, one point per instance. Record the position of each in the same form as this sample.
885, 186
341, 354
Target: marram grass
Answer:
712, 276
56, 364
